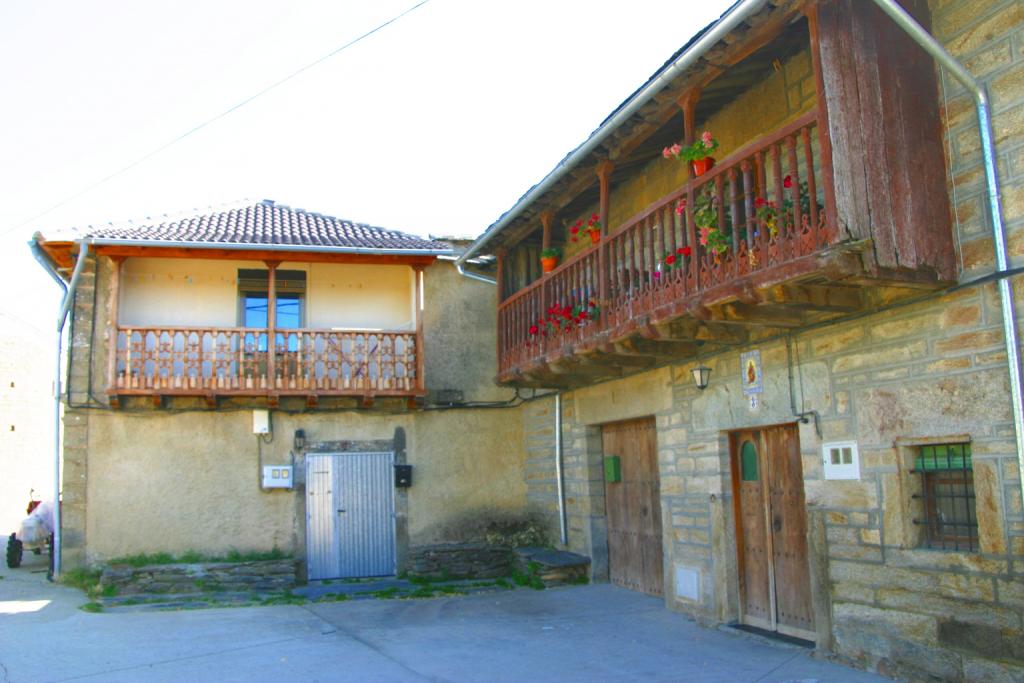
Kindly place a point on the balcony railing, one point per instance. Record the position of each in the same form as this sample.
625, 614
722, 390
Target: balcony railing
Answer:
760, 209
235, 361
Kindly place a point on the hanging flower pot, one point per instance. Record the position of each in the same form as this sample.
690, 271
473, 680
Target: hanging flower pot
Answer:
595, 236
702, 166
549, 258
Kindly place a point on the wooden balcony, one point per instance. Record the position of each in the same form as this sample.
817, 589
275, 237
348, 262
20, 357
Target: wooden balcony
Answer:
224, 362
747, 250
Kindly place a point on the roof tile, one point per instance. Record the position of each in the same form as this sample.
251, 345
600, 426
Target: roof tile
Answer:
267, 223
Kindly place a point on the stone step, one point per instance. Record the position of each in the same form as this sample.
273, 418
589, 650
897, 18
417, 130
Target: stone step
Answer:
553, 567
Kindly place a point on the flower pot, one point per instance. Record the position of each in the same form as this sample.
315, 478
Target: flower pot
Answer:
548, 263
702, 166
595, 237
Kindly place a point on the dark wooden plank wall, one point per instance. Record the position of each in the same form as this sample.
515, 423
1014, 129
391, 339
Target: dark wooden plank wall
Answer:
884, 123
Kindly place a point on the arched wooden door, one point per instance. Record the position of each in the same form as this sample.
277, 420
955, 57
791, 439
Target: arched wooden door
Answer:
771, 531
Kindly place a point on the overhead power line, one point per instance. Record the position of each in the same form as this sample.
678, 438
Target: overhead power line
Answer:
219, 116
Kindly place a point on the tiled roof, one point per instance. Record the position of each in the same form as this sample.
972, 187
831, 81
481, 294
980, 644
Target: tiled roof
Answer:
266, 223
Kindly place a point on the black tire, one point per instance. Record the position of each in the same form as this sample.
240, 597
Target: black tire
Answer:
14, 552
49, 545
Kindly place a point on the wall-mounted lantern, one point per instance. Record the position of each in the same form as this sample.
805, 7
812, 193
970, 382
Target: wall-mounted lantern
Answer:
300, 439
701, 375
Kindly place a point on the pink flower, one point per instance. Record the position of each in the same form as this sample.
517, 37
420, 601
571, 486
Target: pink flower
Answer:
706, 138
534, 329
656, 275
787, 182
667, 153
704, 236
676, 149
681, 206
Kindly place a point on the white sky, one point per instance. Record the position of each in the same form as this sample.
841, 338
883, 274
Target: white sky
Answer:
436, 124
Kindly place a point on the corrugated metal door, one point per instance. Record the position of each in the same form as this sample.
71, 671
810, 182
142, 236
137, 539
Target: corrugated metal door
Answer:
350, 513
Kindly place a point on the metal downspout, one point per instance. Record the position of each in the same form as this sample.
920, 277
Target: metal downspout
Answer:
474, 276
69, 295
733, 18
960, 72
559, 474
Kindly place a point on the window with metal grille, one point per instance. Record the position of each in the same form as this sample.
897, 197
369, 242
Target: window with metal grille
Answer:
947, 494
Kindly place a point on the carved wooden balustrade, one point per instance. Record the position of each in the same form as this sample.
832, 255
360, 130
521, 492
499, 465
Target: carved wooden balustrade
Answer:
234, 361
765, 207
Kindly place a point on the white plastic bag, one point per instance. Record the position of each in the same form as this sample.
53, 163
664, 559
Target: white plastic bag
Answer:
38, 525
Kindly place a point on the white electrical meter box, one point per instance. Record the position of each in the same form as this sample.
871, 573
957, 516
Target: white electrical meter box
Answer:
261, 422
277, 477
841, 460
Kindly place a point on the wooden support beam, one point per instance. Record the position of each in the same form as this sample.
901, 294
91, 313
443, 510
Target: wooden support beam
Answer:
257, 254
816, 297
763, 315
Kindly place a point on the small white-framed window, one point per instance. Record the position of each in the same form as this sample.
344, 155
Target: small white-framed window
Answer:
841, 460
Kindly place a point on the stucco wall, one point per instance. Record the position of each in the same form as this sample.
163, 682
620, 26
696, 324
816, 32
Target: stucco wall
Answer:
147, 479
26, 421
178, 481
204, 293
460, 334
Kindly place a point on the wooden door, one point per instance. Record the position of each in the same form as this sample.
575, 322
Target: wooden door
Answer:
771, 531
633, 507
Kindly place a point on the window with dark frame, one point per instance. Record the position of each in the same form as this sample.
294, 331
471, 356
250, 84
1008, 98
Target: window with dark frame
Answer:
947, 493
253, 289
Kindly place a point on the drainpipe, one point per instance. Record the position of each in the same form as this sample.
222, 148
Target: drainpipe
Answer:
65, 307
559, 474
474, 276
981, 101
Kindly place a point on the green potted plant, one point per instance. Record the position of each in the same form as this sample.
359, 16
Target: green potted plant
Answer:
698, 154
549, 257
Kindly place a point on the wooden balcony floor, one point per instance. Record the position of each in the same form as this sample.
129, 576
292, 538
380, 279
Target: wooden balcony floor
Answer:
824, 286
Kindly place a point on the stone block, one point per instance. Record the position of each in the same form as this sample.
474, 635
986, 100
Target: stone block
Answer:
890, 623
835, 341
986, 671
841, 494
942, 561
968, 587
916, 601
871, 536
864, 553
882, 576
879, 357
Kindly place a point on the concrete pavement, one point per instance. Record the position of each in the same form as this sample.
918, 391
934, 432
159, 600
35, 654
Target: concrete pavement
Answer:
583, 633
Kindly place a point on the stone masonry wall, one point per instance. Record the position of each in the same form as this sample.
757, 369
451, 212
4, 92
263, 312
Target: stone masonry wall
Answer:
932, 369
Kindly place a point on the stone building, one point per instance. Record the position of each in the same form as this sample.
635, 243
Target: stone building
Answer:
182, 433
785, 394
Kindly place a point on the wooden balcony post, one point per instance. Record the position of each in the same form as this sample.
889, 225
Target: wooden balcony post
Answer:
546, 217
418, 276
604, 175
688, 103
112, 329
272, 323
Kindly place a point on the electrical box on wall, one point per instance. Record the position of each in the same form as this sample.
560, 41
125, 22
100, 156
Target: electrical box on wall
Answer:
261, 422
841, 460
278, 477
403, 476
612, 469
